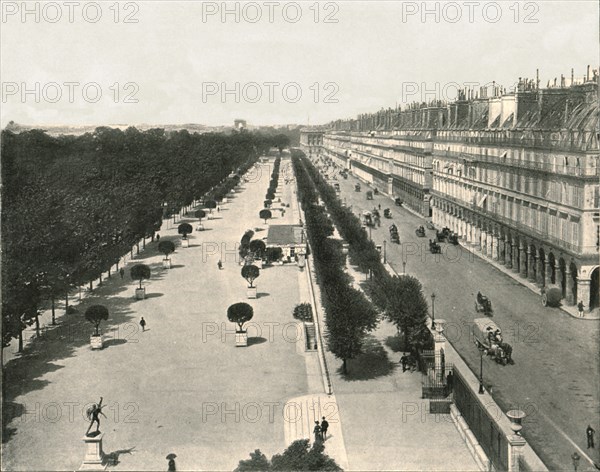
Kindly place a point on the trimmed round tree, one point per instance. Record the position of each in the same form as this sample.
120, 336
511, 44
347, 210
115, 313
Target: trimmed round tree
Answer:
257, 248
140, 272
200, 214
240, 313
265, 214
95, 314
250, 273
167, 248
184, 229
211, 205
303, 312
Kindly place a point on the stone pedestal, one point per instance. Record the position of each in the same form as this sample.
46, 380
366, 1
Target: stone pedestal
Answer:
94, 455
241, 338
185, 243
251, 292
140, 293
166, 263
97, 342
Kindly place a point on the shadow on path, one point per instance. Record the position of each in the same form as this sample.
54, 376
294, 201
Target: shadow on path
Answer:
371, 364
23, 374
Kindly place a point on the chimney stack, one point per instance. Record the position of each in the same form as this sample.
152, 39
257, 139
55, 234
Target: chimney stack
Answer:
537, 78
588, 73
572, 76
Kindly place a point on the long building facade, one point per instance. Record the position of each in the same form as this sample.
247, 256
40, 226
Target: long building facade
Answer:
514, 174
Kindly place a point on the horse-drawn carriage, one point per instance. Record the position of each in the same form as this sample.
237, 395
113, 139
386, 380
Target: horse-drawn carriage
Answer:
420, 232
357, 188
488, 338
443, 234
369, 195
483, 304
367, 219
398, 202
434, 247
453, 238
394, 236
387, 213
429, 225
376, 191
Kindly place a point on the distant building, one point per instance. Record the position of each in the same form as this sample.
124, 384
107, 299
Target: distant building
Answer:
240, 124
311, 141
290, 238
515, 174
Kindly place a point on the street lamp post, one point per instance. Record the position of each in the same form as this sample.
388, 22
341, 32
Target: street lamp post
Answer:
433, 311
403, 267
481, 351
384, 256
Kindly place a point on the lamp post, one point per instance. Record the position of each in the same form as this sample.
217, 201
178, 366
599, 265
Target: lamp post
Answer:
384, 256
433, 311
403, 267
481, 349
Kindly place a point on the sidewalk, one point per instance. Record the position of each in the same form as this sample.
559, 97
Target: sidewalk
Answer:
384, 422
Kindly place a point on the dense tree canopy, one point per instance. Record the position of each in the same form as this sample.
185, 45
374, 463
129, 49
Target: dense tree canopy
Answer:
74, 205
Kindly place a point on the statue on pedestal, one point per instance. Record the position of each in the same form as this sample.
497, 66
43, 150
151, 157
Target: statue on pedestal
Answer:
93, 413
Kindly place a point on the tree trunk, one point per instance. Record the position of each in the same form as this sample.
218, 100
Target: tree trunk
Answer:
66, 301
53, 311
344, 367
21, 340
91, 286
144, 243
117, 265
97, 326
37, 324
137, 248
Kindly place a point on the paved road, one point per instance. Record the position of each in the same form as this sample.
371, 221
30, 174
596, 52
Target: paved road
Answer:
555, 379
182, 386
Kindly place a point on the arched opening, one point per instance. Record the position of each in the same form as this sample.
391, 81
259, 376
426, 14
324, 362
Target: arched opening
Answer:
552, 264
573, 281
562, 267
594, 289
532, 271
541, 267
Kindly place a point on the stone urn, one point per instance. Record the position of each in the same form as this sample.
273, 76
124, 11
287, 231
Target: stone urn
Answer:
516, 419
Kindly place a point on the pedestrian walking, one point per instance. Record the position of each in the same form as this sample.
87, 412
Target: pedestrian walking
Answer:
143, 324
403, 361
450, 381
589, 432
317, 431
379, 206
157, 237
220, 264
122, 272
218, 209
580, 308
324, 428
575, 457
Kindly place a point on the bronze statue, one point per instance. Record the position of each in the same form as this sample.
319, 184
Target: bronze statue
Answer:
93, 413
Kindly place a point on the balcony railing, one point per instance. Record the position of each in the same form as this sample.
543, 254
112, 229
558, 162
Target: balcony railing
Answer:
577, 171
509, 222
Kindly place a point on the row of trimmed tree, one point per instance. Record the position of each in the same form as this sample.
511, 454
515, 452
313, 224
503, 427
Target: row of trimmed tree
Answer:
74, 205
349, 316
401, 299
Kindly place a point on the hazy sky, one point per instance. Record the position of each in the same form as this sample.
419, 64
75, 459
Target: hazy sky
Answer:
165, 62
